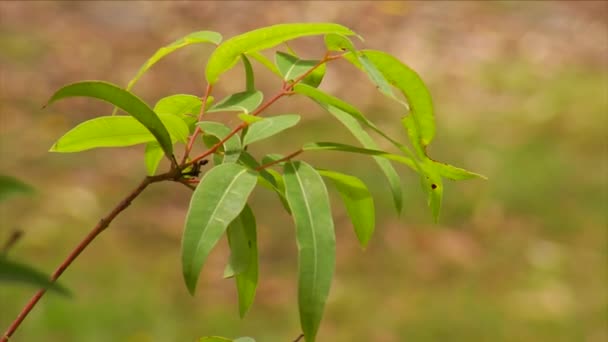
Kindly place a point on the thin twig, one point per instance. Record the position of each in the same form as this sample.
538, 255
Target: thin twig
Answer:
299, 338
100, 227
287, 157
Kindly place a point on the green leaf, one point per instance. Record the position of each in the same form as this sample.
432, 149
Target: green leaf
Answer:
152, 156
115, 131
10, 186
249, 77
244, 258
330, 146
124, 100
218, 199
433, 184
232, 147
192, 38
244, 339
376, 76
228, 53
250, 118
11, 271
309, 202
265, 62
246, 102
352, 119
455, 173
337, 42
291, 67
412, 87
358, 201
269, 126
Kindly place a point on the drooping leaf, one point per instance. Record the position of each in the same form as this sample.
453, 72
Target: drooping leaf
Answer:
433, 185
192, 38
11, 186
249, 77
124, 100
228, 53
232, 147
268, 178
309, 203
152, 157
358, 201
352, 119
376, 76
330, 146
15, 272
244, 258
265, 62
269, 126
455, 173
291, 67
412, 87
218, 199
246, 102
115, 131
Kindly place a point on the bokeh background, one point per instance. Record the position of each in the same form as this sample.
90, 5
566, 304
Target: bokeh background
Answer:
521, 95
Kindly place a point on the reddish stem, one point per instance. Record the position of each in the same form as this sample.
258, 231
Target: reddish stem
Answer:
197, 130
274, 162
101, 225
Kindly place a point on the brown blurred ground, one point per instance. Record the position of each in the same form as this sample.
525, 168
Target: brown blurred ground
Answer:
521, 94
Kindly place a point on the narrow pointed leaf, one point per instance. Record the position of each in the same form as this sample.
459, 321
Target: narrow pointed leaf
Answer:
124, 100
115, 131
358, 201
269, 126
249, 77
232, 147
412, 87
291, 67
309, 202
228, 53
330, 146
217, 200
268, 178
337, 42
152, 157
265, 62
15, 272
192, 38
11, 186
239, 102
455, 173
244, 258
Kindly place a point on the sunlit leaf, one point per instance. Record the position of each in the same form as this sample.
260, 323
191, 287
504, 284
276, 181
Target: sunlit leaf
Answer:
269, 126
124, 100
239, 102
229, 52
250, 118
249, 77
358, 201
291, 67
218, 199
11, 186
455, 173
232, 146
309, 202
265, 62
14, 272
244, 258
337, 42
152, 157
115, 131
192, 38
412, 87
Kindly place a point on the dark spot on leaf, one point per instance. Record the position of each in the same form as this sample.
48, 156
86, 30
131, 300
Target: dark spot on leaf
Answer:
433, 186
249, 243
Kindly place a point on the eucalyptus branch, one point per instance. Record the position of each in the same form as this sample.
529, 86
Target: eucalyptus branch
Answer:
197, 131
274, 162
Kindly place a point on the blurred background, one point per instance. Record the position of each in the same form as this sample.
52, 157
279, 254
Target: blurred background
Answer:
521, 95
